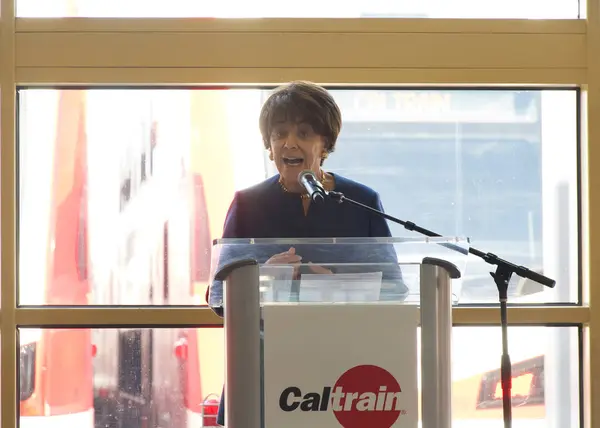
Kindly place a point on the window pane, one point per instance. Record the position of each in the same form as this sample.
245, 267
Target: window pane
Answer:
529, 9
130, 378
545, 377
167, 377
123, 191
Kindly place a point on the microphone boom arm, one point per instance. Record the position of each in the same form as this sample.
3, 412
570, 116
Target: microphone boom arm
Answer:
490, 258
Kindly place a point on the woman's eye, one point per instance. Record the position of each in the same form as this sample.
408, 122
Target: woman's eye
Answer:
304, 134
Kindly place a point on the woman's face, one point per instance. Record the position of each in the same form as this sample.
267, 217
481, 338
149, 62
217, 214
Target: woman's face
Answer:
296, 147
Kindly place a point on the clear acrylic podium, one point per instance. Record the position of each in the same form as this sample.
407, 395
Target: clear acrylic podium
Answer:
342, 281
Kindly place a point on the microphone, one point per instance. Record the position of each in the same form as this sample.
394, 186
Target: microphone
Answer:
315, 190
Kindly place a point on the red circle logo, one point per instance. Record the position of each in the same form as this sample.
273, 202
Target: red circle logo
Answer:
367, 396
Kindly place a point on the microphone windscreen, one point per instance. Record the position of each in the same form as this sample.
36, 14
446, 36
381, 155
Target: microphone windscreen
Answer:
306, 173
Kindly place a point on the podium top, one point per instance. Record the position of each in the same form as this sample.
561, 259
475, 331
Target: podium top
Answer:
459, 244
388, 264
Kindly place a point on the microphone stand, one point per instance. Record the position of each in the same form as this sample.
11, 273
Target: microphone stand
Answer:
502, 275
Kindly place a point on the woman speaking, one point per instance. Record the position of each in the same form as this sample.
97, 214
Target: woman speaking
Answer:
300, 123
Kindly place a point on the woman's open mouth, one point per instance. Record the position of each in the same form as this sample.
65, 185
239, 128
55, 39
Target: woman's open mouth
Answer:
292, 161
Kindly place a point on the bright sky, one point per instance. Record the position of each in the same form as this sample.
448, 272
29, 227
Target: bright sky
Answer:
522, 9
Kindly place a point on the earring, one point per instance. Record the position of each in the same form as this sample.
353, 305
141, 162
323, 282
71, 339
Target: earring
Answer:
325, 154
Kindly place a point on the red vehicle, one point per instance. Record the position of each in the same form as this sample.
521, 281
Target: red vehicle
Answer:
55, 369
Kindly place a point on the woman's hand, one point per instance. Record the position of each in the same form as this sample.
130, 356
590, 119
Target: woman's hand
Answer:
319, 269
288, 257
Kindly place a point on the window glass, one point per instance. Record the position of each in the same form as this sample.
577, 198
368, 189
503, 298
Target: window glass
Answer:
123, 191
543, 368
168, 378
529, 9
172, 378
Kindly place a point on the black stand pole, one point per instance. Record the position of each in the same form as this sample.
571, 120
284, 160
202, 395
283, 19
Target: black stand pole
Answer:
504, 271
502, 278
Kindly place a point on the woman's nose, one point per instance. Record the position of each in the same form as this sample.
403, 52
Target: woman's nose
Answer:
291, 141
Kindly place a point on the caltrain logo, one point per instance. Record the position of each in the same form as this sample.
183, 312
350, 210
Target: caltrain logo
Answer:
363, 396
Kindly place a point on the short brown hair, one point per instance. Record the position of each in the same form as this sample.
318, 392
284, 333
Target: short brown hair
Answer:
302, 101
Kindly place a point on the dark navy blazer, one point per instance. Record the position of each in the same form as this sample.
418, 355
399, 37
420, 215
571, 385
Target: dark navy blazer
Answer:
267, 211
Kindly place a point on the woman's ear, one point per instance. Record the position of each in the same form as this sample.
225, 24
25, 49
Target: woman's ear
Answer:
270, 154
